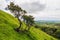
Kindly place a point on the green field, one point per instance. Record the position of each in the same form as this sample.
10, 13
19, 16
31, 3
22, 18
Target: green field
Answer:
7, 32
49, 26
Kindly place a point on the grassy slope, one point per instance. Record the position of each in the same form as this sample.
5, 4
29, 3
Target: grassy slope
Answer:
8, 22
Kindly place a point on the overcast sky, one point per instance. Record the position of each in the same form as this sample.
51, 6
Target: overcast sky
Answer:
40, 9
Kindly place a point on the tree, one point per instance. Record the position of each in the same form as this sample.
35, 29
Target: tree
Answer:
23, 15
30, 21
17, 12
24, 18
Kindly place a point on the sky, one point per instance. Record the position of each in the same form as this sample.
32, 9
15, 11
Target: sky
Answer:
40, 9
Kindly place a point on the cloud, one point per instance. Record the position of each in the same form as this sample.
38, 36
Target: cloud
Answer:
33, 7
28, 5
40, 9
50, 15
2, 4
6, 0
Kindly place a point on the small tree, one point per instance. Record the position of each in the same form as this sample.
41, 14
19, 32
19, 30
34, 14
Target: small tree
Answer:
30, 21
25, 19
19, 12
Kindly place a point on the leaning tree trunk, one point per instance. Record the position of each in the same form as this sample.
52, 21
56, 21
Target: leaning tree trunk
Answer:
20, 23
18, 29
19, 20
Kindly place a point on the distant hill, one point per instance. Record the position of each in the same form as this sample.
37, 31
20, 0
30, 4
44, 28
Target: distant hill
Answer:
47, 21
7, 32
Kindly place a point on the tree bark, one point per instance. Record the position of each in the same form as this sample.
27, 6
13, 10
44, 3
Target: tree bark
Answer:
18, 29
19, 23
19, 20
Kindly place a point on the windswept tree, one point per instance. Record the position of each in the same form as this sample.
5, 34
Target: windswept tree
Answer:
29, 20
17, 11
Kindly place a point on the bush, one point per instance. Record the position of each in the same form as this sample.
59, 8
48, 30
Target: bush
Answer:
36, 26
49, 30
57, 34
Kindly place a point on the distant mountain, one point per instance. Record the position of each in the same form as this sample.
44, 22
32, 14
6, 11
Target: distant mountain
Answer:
49, 21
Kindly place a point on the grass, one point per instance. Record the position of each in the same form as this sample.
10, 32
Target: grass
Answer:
7, 32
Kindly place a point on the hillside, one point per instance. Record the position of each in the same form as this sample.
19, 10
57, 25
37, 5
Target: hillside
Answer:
7, 32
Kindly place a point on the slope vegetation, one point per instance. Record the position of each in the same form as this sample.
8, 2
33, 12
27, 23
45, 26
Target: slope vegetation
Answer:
7, 32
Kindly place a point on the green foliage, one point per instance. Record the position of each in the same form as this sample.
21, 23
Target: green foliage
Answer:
29, 20
18, 11
7, 25
7, 32
50, 28
57, 34
39, 35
